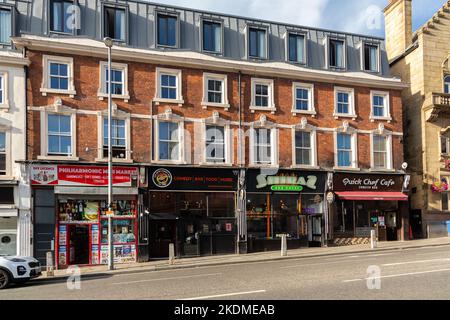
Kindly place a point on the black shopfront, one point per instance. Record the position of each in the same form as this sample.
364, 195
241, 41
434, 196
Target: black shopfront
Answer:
287, 202
193, 208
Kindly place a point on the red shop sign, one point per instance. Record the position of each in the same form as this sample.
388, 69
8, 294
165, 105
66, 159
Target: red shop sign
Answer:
64, 175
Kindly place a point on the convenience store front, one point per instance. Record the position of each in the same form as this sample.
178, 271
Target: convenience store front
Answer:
287, 202
80, 224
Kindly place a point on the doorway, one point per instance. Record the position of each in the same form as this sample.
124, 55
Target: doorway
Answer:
162, 234
415, 221
79, 244
315, 231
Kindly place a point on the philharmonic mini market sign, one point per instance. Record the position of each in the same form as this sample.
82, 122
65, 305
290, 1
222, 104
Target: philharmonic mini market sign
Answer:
67, 175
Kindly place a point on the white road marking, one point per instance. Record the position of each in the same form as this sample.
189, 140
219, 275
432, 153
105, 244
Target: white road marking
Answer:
398, 275
167, 279
225, 295
413, 262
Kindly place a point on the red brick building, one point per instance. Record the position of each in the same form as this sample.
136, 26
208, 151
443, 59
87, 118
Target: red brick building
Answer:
231, 152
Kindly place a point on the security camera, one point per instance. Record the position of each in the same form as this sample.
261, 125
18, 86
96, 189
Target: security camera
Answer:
404, 165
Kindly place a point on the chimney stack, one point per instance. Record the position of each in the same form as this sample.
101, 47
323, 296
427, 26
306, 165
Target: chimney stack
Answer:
398, 26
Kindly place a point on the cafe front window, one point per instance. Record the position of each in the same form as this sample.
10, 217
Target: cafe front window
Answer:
270, 215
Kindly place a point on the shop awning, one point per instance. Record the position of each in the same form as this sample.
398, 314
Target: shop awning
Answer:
372, 196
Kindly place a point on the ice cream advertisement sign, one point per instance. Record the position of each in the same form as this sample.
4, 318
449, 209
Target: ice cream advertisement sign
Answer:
64, 175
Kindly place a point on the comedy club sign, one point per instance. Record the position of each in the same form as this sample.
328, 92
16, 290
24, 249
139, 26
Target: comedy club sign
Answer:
96, 176
362, 182
285, 181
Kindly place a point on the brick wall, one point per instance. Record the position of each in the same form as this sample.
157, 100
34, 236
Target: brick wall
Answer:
141, 84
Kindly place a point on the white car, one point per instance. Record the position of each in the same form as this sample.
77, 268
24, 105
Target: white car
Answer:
14, 269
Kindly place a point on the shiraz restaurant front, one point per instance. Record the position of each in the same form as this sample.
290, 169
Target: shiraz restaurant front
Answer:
290, 202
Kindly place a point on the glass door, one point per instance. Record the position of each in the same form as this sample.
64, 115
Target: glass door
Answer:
315, 231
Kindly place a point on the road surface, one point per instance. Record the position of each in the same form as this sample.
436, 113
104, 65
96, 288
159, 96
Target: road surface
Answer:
421, 273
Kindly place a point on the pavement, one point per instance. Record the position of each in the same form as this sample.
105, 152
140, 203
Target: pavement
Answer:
409, 270
183, 263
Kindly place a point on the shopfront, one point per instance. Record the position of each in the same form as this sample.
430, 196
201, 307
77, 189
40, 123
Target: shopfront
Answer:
70, 205
193, 208
284, 202
8, 221
369, 201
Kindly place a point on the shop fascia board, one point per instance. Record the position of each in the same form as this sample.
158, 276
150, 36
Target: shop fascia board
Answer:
89, 47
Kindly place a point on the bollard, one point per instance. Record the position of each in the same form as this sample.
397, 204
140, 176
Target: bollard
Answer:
283, 245
50, 270
373, 239
171, 254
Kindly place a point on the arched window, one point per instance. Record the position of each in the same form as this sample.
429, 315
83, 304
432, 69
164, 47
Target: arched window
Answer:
447, 84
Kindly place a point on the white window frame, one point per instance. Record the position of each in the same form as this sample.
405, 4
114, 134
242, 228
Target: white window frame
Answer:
271, 99
247, 47
305, 46
215, 120
8, 168
57, 109
363, 58
119, 115
327, 53
264, 124
11, 9
4, 80
386, 98
45, 87
102, 93
311, 105
346, 129
216, 77
305, 127
168, 116
222, 35
389, 157
351, 107
179, 78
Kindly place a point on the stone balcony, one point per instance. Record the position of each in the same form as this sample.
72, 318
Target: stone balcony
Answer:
437, 105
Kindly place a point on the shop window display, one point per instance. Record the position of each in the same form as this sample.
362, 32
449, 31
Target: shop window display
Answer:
269, 215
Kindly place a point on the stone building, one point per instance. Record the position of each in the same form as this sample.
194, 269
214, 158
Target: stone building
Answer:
421, 59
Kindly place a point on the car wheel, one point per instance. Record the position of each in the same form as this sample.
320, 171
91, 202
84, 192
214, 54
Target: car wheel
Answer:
4, 279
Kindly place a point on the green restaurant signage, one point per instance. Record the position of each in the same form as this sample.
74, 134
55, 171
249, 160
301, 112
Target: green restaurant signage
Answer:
287, 188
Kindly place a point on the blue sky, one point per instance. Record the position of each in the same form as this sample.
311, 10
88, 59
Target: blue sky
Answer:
357, 16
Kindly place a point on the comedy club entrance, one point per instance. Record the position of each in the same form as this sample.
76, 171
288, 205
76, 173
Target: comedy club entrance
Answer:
369, 201
193, 208
287, 202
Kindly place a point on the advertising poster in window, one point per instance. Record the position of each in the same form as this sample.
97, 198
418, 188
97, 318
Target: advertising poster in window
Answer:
62, 235
62, 255
94, 254
122, 254
95, 234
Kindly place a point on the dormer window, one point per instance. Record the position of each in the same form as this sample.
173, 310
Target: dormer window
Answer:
115, 23
296, 48
336, 54
167, 30
5, 26
212, 36
60, 15
371, 57
257, 43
